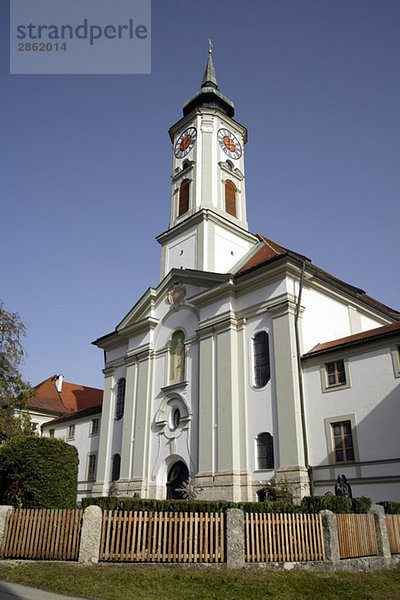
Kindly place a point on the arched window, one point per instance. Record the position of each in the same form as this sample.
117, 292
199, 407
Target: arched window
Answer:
116, 467
230, 197
120, 403
262, 372
183, 197
177, 360
265, 451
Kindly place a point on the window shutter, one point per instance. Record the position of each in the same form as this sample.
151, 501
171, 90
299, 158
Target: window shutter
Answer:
183, 197
230, 198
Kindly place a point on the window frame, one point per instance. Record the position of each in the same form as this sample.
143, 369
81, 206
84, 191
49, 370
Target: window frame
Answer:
71, 432
113, 466
326, 387
268, 448
92, 469
52, 433
329, 421
396, 359
120, 399
267, 359
94, 430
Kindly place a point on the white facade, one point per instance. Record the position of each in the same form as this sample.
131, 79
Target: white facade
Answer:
370, 402
183, 368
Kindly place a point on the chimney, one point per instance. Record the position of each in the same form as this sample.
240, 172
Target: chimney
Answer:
59, 382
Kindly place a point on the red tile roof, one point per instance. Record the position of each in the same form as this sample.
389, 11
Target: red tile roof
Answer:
72, 398
271, 250
357, 338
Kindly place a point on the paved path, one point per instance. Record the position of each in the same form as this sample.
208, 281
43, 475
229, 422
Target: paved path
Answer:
15, 591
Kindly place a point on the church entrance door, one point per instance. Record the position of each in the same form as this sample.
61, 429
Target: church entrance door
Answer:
177, 474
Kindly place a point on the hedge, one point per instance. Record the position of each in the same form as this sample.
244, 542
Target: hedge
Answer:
310, 504
38, 472
391, 507
337, 504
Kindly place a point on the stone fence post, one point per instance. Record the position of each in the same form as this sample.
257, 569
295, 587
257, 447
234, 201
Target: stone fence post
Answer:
234, 538
89, 547
382, 538
3, 516
331, 539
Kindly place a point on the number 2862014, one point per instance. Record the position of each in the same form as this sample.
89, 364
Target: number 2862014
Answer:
41, 47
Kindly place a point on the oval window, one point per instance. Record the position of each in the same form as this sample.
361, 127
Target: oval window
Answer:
175, 418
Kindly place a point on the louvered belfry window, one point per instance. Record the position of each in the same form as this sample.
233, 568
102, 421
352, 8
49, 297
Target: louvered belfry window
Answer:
183, 197
230, 198
265, 451
262, 372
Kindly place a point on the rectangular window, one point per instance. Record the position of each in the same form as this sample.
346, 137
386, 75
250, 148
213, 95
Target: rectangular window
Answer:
342, 442
71, 432
335, 373
51, 433
94, 427
92, 467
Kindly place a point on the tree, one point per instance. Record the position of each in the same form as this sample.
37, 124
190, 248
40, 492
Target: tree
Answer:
14, 391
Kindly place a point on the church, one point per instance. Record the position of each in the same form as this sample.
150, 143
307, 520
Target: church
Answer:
246, 363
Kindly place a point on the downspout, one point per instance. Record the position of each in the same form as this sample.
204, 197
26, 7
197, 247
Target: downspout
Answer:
300, 375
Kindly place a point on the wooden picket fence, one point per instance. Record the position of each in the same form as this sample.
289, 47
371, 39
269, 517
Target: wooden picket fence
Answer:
162, 537
283, 537
42, 534
393, 528
357, 536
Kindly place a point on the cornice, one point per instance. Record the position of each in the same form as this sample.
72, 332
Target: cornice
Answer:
146, 324
205, 214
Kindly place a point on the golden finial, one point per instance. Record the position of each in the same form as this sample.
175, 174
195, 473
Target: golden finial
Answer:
210, 46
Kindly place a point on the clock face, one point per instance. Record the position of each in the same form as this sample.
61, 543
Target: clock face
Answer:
229, 143
185, 142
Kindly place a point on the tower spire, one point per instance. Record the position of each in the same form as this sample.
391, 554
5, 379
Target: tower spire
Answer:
209, 77
209, 94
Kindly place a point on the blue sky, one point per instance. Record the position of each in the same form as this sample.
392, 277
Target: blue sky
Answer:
317, 84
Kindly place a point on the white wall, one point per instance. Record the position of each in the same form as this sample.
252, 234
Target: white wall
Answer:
373, 402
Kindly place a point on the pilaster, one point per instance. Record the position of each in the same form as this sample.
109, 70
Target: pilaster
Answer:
142, 425
290, 434
100, 487
129, 419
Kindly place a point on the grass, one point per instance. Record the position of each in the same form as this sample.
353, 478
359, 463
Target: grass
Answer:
120, 582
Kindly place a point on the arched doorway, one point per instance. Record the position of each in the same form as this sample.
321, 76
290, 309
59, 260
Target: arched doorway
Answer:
177, 474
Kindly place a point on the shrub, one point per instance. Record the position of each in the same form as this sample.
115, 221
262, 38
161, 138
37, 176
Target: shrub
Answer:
337, 504
361, 505
38, 473
391, 507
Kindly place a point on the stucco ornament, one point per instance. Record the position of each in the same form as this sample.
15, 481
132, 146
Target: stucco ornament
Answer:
177, 295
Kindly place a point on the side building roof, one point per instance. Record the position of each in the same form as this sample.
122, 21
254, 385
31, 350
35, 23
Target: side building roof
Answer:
363, 337
72, 398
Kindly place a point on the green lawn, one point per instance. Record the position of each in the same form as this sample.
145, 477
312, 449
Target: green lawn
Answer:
120, 582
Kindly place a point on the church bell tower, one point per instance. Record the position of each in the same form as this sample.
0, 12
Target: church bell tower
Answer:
208, 225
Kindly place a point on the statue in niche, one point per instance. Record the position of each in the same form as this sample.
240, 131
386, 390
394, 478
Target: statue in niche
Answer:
342, 488
177, 368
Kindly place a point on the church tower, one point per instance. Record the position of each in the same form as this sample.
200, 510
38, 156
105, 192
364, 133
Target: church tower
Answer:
208, 225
